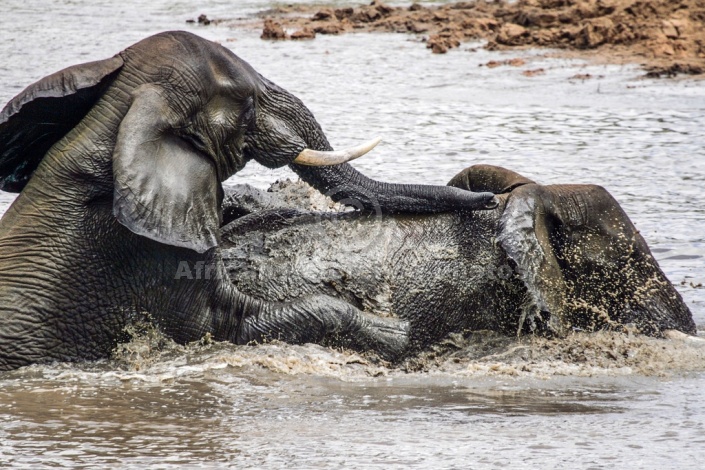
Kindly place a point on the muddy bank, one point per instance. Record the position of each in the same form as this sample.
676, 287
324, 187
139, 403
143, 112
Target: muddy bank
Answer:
666, 36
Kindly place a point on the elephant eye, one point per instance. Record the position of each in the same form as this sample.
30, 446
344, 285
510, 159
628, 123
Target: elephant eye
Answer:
196, 141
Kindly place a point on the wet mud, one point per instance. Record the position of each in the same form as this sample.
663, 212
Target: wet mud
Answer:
666, 37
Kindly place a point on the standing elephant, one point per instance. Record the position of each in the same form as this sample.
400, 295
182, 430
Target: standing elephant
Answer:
549, 259
120, 162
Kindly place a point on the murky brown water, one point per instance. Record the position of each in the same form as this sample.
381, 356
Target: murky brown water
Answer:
307, 407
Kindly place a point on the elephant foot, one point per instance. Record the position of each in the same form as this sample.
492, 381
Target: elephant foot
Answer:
326, 320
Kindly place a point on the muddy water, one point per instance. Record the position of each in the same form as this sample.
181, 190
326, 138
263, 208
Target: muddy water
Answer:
587, 402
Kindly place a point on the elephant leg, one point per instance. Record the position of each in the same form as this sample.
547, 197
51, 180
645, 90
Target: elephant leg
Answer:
326, 320
202, 299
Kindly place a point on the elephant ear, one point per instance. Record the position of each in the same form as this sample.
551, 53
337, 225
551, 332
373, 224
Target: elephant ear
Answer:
525, 234
46, 111
165, 189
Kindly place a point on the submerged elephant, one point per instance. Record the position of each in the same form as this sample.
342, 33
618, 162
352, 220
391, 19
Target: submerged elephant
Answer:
120, 163
548, 259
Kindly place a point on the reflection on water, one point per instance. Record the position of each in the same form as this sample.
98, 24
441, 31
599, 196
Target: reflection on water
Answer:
195, 410
305, 407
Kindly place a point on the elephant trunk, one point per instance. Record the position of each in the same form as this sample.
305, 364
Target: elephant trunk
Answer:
345, 184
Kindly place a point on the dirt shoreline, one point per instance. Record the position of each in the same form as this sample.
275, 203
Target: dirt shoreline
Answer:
667, 37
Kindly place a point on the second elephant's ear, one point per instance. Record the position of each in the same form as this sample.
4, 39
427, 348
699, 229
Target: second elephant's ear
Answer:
165, 190
525, 235
46, 111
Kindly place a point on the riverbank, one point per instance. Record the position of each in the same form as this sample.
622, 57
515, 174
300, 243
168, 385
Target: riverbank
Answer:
666, 37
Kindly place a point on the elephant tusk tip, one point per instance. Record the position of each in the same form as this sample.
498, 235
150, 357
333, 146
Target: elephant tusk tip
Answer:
335, 157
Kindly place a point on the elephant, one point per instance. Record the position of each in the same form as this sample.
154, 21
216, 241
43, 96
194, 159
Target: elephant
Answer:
119, 164
549, 260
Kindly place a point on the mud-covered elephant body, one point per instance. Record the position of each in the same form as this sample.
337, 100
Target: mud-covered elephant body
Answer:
119, 165
432, 275
548, 259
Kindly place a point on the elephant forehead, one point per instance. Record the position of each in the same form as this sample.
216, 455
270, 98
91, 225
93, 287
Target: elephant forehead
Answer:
232, 76
193, 66
168, 57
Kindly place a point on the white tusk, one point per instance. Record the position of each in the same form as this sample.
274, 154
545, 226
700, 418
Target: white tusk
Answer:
334, 157
680, 336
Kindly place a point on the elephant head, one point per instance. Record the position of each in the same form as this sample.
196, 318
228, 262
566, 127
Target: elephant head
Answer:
188, 114
583, 262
